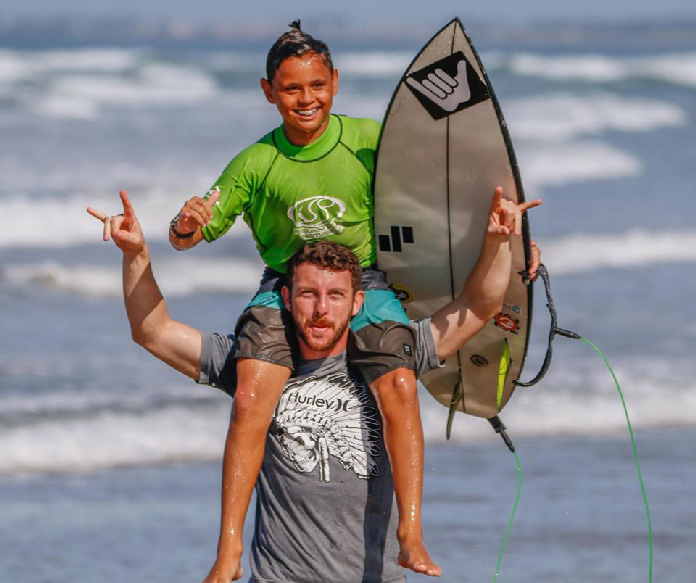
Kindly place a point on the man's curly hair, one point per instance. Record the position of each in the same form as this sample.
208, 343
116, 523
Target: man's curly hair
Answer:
327, 255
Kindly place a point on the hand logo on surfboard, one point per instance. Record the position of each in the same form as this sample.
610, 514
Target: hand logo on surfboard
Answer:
442, 89
447, 86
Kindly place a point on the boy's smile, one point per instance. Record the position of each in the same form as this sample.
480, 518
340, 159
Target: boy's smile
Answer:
303, 89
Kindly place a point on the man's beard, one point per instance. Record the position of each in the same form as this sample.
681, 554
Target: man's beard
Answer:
339, 329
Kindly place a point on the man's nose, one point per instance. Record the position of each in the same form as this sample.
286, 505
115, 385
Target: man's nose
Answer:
321, 305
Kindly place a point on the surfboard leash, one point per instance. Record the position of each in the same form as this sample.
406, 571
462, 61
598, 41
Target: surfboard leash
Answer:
500, 428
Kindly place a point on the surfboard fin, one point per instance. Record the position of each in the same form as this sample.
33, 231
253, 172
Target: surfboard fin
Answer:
457, 396
503, 370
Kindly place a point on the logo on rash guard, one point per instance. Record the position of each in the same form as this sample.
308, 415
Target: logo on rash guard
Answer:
317, 217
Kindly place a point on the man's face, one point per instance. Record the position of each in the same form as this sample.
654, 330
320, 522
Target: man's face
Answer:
303, 89
322, 303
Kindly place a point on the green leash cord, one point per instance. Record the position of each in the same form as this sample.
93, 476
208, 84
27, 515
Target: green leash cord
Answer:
512, 517
635, 453
501, 429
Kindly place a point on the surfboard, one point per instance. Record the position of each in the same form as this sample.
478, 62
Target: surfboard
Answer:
444, 149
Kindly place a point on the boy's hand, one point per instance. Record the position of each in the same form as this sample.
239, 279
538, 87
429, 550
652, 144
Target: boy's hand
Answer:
505, 216
196, 213
124, 229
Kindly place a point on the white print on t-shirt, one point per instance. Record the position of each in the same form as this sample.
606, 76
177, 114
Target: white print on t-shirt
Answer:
332, 415
317, 217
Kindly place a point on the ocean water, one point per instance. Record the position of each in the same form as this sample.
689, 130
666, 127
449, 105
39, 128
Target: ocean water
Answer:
109, 462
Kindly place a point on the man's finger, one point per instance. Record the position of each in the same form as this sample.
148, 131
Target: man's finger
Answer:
531, 204
127, 206
518, 221
96, 214
497, 196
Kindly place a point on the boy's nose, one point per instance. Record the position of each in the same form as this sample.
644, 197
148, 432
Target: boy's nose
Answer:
306, 96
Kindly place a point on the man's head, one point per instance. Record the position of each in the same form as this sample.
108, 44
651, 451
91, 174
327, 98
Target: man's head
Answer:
323, 294
301, 82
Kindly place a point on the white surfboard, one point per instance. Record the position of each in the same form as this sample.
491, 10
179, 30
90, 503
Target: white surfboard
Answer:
444, 148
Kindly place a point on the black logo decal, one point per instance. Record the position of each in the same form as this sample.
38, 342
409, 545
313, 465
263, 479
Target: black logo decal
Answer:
479, 360
447, 86
393, 241
407, 350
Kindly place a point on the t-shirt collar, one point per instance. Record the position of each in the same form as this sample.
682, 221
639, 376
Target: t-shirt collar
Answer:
314, 150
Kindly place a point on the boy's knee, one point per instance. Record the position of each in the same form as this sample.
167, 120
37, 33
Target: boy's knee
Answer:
397, 385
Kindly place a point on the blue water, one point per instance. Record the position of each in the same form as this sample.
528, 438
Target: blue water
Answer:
109, 462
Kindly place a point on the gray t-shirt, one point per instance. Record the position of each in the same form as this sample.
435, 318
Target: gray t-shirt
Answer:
325, 501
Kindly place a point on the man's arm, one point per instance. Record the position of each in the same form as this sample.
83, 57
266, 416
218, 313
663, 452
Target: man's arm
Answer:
482, 297
175, 343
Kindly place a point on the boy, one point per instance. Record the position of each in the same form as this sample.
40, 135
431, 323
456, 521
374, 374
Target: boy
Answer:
311, 179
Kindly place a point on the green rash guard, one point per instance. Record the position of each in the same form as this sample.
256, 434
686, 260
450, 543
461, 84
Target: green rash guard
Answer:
292, 195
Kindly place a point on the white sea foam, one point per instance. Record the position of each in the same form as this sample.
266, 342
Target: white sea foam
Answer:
201, 275
673, 68
568, 255
20, 65
53, 222
582, 253
567, 162
582, 399
563, 116
373, 63
154, 84
115, 439
584, 402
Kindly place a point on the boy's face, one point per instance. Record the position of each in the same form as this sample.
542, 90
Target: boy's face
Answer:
303, 89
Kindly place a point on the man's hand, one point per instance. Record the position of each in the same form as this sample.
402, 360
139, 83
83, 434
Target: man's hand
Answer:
124, 229
196, 213
505, 216
534, 262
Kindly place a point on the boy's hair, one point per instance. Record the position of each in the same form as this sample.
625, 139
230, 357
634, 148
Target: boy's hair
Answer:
326, 255
295, 43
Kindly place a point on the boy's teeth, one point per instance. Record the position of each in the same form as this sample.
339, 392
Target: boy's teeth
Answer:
307, 112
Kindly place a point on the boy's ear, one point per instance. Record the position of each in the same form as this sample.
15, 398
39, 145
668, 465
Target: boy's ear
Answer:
267, 91
285, 293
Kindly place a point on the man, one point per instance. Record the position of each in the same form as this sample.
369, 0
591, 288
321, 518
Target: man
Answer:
325, 495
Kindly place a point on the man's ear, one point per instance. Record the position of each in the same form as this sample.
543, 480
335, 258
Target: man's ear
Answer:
267, 91
285, 293
334, 75
358, 300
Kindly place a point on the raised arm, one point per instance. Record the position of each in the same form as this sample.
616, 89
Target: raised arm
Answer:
175, 343
482, 297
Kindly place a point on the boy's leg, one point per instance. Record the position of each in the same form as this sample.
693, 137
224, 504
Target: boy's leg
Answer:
385, 353
259, 386
397, 397
264, 364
